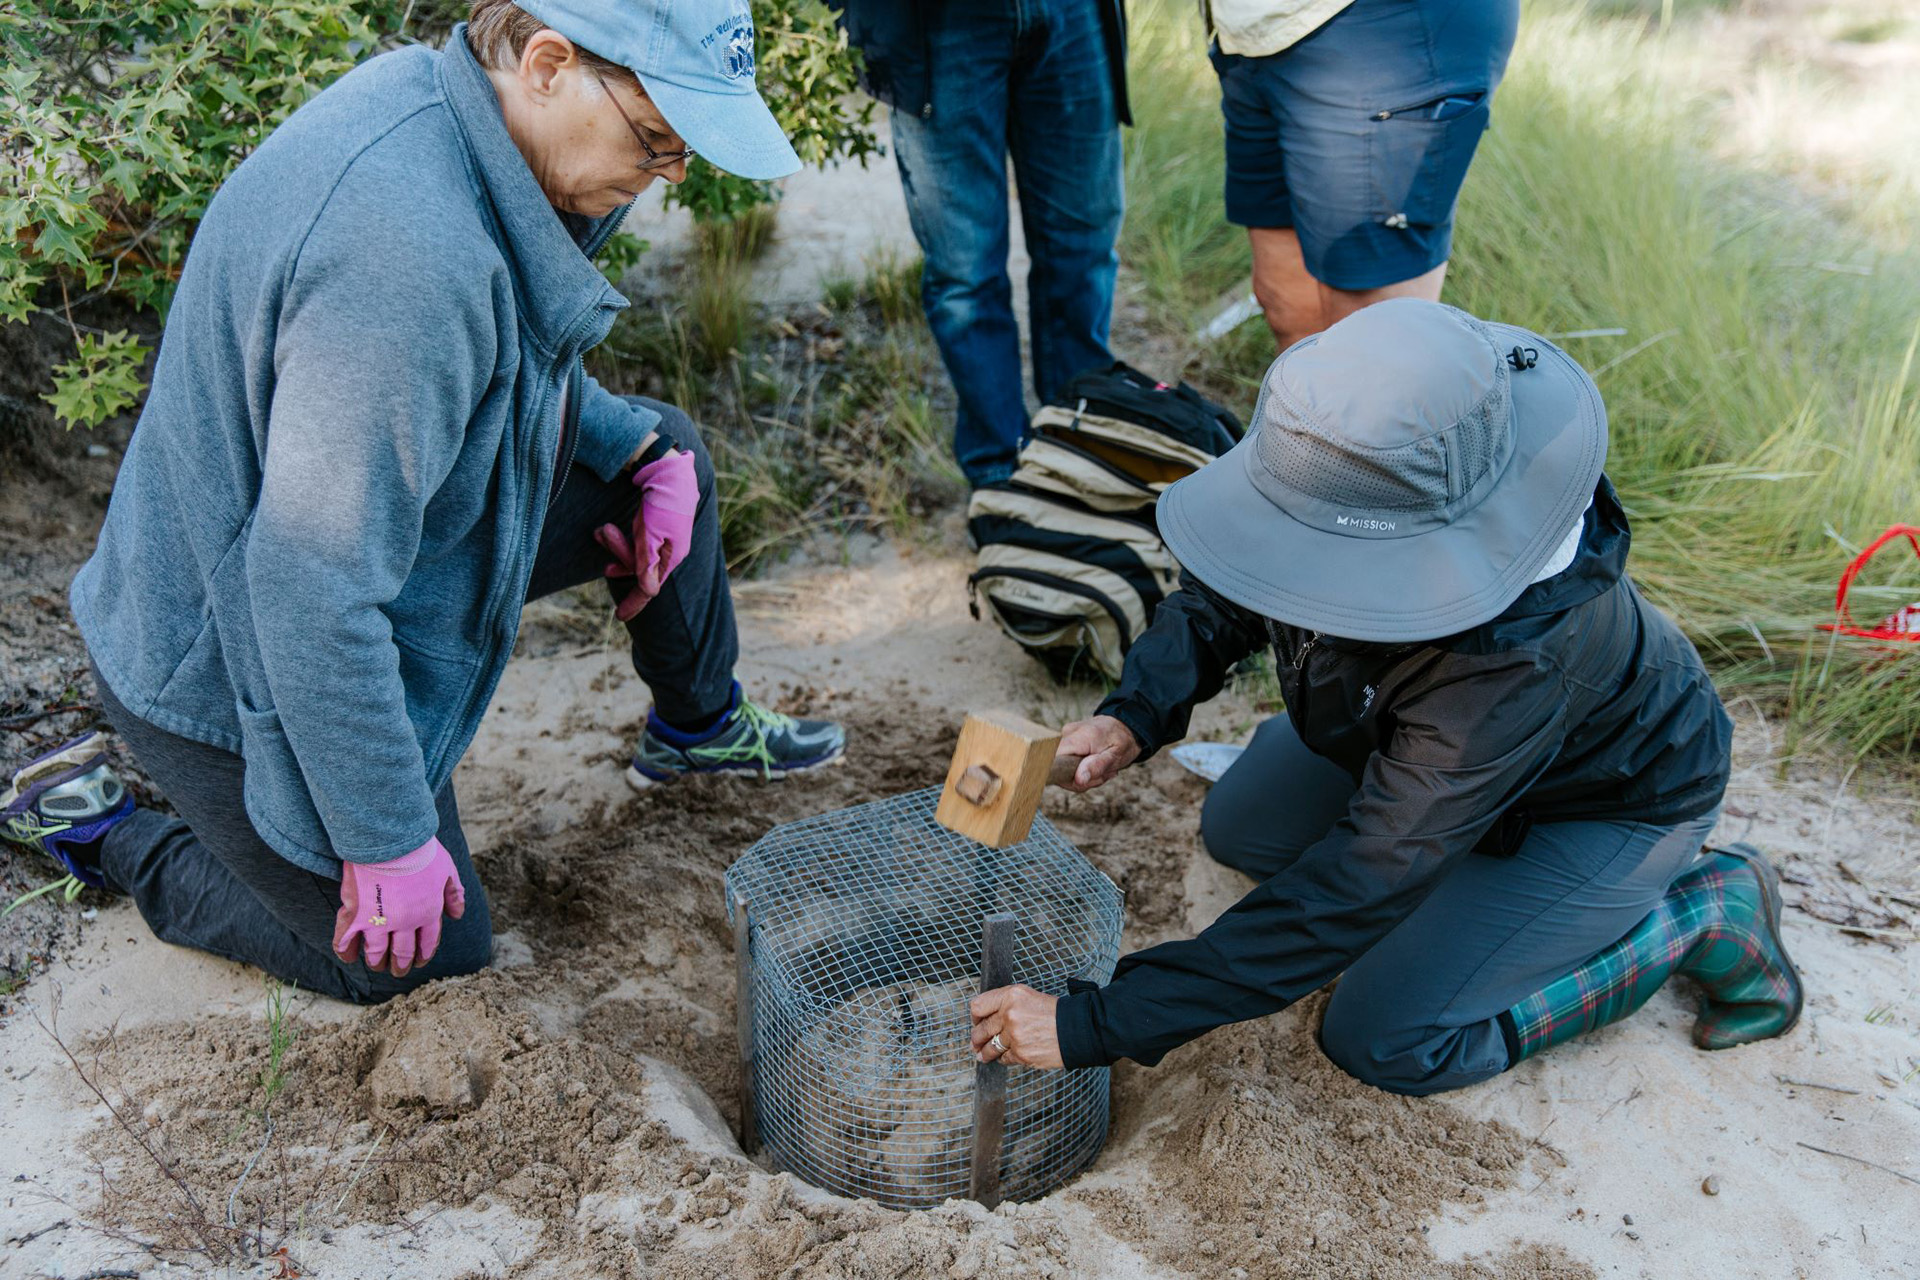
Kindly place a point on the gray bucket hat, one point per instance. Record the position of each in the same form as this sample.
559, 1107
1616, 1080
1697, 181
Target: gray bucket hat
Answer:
1407, 474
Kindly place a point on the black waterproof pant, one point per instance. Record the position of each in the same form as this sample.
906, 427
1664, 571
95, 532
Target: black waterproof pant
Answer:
207, 880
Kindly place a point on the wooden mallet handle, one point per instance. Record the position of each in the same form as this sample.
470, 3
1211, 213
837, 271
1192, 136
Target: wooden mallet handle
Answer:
979, 785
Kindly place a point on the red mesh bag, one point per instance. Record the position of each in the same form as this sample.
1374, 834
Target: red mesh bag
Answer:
1902, 624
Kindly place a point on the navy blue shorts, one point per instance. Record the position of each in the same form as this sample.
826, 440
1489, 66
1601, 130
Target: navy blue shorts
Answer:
1359, 136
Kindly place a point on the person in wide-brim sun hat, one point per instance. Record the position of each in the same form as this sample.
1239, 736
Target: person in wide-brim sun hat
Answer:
1487, 805
369, 441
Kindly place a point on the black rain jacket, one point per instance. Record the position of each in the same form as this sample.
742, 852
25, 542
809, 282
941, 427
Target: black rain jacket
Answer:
1581, 701
893, 37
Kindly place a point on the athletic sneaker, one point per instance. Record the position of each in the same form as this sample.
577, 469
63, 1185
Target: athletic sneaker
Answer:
748, 739
63, 803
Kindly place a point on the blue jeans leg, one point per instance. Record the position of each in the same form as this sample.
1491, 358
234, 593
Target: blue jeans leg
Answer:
953, 170
1064, 133
1029, 78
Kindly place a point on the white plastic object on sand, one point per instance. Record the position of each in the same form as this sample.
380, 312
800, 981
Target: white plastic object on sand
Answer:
1229, 317
1206, 759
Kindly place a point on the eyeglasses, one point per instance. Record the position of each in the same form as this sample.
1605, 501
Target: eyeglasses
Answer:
655, 159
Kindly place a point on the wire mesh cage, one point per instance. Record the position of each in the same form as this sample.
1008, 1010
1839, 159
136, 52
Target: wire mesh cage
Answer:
863, 948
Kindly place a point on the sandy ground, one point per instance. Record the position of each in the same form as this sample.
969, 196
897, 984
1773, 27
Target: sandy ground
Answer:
569, 1113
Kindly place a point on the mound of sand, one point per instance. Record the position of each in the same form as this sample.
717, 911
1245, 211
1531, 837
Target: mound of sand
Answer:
435, 1100
1266, 1160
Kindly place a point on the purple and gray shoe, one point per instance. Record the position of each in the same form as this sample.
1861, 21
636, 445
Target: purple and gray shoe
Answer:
747, 739
62, 804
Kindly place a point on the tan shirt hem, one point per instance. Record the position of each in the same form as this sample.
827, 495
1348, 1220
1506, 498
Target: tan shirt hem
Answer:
1256, 28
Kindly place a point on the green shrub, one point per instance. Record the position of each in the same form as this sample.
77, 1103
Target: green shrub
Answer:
117, 123
102, 379
619, 255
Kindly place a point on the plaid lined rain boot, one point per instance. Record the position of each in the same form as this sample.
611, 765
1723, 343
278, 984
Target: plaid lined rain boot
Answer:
1719, 925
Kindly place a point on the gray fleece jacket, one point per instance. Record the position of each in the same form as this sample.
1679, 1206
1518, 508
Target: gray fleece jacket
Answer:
321, 537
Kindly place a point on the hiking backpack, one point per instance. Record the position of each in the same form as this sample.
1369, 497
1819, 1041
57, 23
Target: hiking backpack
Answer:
1071, 565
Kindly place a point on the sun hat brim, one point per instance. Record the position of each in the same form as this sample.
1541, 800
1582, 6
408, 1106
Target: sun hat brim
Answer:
733, 131
1423, 585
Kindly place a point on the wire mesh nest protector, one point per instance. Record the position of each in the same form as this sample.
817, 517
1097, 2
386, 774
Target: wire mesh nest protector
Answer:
863, 951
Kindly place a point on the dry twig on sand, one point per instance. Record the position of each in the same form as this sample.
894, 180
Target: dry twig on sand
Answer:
34, 717
1814, 1084
35, 1235
197, 1222
1841, 1155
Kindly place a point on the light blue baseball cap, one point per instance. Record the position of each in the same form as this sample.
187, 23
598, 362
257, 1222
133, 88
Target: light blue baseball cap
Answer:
695, 60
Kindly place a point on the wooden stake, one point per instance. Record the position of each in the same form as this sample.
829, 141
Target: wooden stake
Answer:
743, 1026
997, 935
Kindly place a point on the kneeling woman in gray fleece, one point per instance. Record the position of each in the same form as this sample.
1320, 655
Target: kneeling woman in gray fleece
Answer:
1485, 809
370, 440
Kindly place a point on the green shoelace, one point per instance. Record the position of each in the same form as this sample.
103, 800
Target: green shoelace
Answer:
68, 887
25, 830
751, 747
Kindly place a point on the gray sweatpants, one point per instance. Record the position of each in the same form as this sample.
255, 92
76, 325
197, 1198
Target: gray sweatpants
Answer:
1417, 1012
207, 880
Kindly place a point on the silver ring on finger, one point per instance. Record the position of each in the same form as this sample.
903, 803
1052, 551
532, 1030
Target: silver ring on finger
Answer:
999, 1045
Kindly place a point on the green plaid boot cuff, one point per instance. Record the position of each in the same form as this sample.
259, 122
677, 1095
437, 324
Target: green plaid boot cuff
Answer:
1719, 925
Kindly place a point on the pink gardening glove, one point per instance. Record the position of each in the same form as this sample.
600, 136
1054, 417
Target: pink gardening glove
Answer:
394, 907
662, 530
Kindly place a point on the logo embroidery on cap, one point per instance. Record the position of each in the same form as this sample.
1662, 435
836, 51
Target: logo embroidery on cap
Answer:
1382, 526
735, 40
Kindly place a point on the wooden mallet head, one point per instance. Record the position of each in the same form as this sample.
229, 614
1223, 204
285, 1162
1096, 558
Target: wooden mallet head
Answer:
999, 769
